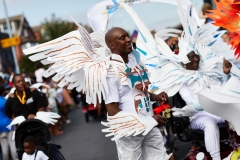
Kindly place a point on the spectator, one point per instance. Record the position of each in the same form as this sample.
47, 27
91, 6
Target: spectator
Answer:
225, 37
64, 101
30, 150
24, 74
1, 80
32, 77
205, 9
83, 100
39, 71
76, 96
28, 82
173, 44
5, 134
51, 94
11, 75
24, 101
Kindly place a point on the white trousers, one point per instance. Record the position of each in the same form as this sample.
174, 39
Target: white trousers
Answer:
149, 147
6, 144
208, 123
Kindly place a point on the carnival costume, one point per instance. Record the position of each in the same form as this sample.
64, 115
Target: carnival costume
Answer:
99, 14
82, 60
169, 75
226, 15
225, 103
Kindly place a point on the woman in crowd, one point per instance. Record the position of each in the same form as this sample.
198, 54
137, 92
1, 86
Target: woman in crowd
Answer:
5, 134
51, 94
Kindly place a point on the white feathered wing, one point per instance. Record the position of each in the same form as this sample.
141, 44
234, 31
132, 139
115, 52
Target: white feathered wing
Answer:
78, 60
46, 117
166, 69
157, 54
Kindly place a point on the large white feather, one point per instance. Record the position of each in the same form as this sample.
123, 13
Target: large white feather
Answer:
166, 69
79, 60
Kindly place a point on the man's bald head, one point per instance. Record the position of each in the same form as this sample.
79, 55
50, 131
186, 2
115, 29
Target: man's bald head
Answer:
111, 34
118, 41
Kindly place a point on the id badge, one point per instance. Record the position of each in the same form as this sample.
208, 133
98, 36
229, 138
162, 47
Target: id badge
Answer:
30, 100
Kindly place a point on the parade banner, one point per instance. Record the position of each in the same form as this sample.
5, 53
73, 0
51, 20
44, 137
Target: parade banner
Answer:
99, 14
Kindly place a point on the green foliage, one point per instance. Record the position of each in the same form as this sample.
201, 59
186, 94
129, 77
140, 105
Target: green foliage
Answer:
51, 29
56, 28
26, 65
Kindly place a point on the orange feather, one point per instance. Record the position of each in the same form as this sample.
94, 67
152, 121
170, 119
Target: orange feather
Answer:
227, 15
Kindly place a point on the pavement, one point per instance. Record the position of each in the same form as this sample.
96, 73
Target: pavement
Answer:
85, 141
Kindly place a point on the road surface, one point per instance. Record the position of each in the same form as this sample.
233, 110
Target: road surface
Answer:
85, 141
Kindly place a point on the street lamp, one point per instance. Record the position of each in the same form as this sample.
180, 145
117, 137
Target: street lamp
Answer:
10, 36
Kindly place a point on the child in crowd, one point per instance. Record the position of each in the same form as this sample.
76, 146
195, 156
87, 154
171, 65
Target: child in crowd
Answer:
30, 150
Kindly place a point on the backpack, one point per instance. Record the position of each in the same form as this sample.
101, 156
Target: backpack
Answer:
35, 155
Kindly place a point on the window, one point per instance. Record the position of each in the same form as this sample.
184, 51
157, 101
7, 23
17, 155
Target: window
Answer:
13, 27
1, 28
25, 33
5, 29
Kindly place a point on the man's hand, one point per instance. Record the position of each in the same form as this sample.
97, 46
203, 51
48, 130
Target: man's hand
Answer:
226, 66
42, 109
160, 119
31, 116
113, 108
163, 97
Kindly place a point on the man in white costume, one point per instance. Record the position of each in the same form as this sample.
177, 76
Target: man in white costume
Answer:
117, 76
131, 98
84, 61
202, 70
194, 69
203, 120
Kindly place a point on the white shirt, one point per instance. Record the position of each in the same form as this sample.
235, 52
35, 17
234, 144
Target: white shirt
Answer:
38, 74
40, 156
187, 96
59, 95
121, 94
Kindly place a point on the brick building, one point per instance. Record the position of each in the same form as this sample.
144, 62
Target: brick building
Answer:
21, 28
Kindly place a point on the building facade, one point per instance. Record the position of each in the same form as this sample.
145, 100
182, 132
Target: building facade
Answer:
21, 28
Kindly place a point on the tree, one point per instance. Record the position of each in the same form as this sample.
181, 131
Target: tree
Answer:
26, 64
51, 29
56, 28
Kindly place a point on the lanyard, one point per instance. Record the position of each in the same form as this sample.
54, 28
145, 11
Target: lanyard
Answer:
22, 100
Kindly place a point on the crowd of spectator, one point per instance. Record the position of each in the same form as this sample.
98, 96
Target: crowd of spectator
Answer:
16, 91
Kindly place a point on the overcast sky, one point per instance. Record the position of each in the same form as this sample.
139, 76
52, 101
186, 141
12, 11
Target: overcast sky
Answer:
155, 15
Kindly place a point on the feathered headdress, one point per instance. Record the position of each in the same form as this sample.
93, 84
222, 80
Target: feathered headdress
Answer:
160, 60
194, 38
227, 15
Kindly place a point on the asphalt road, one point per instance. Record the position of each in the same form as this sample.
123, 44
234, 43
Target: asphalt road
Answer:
85, 141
